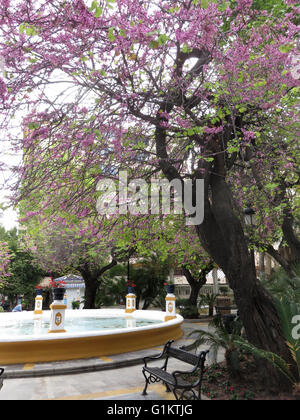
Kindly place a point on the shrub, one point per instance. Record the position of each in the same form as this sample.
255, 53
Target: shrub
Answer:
75, 304
189, 311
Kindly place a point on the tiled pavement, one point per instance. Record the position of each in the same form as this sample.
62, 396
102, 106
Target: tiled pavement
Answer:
118, 377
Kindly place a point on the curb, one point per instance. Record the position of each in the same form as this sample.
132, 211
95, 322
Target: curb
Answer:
14, 374
86, 365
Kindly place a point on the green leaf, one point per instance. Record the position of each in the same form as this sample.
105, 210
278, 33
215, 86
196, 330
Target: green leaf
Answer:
22, 28
186, 49
162, 39
94, 5
98, 13
286, 48
271, 186
33, 125
154, 44
111, 35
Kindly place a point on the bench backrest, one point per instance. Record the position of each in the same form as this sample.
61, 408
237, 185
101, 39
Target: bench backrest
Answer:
185, 356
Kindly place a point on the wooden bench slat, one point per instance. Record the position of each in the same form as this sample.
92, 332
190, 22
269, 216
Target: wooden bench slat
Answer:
184, 356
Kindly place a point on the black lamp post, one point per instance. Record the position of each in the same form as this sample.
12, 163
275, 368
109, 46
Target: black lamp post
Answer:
249, 217
128, 270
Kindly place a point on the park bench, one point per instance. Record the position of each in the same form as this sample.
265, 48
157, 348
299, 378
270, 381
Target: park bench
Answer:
183, 384
1, 377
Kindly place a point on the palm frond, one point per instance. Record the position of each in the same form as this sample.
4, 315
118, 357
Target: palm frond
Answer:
273, 358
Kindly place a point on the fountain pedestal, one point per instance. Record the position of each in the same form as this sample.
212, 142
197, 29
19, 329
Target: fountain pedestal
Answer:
170, 307
57, 319
130, 303
38, 305
58, 309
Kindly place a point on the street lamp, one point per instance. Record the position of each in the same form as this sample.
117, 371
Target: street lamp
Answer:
250, 221
249, 215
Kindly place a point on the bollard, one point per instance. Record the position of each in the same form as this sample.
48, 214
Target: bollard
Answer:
38, 310
130, 303
58, 309
170, 306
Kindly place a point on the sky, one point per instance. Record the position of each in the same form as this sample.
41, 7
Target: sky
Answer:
8, 217
8, 159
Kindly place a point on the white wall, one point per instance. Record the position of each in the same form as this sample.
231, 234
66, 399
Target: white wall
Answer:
74, 294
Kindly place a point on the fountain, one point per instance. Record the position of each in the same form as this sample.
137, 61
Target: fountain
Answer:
61, 334
89, 333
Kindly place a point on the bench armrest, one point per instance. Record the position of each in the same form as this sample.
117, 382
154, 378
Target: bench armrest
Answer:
159, 356
177, 373
1, 371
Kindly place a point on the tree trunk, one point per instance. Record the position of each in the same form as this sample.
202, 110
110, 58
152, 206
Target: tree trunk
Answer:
222, 236
281, 260
196, 284
291, 238
91, 276
195, 289
91, 287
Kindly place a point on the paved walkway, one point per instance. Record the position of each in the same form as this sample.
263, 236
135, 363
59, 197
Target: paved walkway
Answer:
118, 377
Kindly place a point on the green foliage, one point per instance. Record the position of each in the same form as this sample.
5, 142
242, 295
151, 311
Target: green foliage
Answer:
286, 293
149, 278
224, 290
148, 275
210, 300
159, 302
282, 286
218, 338
189, 312
234, 345
112, 290
75, 304
25, 274
287, 310
274, 359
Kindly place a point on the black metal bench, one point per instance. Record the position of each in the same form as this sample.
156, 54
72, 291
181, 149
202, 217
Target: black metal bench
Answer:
177, 381
1, 377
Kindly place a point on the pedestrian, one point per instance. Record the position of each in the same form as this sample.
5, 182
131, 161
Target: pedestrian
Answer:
18, 308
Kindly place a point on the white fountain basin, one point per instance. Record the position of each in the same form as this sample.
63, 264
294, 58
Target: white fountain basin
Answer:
24, 338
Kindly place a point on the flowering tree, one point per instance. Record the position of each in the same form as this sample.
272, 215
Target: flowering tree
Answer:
60, 249
5, 258
57, 284
186, 88
178, 245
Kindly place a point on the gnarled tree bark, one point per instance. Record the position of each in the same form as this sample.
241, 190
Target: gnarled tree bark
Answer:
222, 236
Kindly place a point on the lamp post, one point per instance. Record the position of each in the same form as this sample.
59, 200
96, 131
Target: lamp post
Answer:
128, 270
131, 296
249, 217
